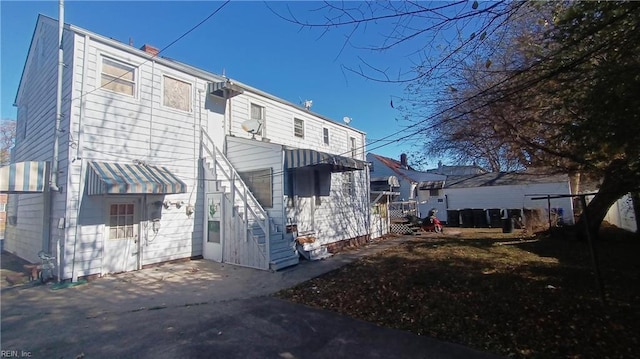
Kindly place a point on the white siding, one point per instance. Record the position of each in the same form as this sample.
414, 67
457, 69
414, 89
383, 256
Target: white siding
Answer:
343, 216
382, 170
26, 237
514, 196
279, 126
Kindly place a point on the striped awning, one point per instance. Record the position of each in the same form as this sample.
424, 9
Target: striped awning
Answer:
24, 177
301, 157
124, 178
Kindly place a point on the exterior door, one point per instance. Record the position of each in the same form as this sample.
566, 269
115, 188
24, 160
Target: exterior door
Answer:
121, 249
214, 219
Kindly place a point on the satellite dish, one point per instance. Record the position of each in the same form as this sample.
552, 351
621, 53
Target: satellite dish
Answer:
252, 126
346, 119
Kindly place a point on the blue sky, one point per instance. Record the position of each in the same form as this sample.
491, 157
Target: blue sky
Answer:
245, 40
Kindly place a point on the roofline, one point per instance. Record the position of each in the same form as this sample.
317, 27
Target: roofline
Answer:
24, 67
177, 65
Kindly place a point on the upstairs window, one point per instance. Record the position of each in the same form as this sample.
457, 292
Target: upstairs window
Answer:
298, 127
118, 77
325, 135
177, 94
257, 114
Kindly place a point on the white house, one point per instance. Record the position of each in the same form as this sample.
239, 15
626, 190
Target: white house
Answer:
459, 193
423, 187
154, 160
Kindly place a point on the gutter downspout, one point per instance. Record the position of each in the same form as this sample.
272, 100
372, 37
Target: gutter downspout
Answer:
54, 165
53, 175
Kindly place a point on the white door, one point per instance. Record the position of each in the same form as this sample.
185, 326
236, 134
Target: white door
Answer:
213, 236
121, 236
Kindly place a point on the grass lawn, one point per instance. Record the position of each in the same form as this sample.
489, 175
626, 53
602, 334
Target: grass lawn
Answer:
508, 294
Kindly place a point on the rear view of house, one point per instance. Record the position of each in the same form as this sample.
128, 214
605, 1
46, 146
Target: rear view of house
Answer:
152, 160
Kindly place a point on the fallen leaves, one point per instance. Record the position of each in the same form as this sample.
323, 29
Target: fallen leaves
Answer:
531, 299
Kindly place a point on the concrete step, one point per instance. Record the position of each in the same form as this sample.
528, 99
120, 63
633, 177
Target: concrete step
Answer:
284, 262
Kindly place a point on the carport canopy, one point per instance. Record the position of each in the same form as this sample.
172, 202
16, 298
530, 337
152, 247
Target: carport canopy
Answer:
302, 157
124, 178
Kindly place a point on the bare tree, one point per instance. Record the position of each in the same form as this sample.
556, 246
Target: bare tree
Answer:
513, 84
7, 139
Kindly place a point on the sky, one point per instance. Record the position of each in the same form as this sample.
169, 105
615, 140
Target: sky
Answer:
245, 40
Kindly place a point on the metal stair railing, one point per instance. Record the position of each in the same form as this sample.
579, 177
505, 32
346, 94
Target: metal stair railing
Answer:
251, 208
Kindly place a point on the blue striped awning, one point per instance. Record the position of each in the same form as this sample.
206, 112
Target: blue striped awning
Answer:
24, 177
302, 157
123, 178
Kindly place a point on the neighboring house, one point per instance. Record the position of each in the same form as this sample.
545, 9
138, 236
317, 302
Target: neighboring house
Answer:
383, 192
423, 187
509, 190
461, 170
466, 188
158, 160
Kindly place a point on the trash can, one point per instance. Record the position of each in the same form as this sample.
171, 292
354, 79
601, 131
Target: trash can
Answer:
507, 225
453, 218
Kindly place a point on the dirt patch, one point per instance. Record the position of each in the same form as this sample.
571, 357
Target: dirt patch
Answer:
511, 294
12, 270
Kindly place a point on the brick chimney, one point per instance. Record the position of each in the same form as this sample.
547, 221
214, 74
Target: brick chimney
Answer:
150, 49
403, 160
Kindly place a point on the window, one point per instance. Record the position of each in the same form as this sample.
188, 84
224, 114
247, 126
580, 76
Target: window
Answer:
257, 114
259, 183
325, 135
121, 221
352, 142
177, 94
347, 183
118, 77
298, 127
3, 207
434, 192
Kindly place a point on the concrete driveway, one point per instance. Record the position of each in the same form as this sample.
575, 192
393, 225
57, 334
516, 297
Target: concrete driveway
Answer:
200, 309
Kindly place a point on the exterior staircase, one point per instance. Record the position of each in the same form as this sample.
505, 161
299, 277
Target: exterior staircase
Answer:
276, 248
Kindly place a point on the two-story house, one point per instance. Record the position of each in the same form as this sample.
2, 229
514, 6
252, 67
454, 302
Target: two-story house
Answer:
153, 160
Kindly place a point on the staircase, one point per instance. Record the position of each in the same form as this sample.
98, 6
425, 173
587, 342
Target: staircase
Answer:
276, 249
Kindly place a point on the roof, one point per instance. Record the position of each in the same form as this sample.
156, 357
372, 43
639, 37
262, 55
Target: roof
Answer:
502, 179
178, 66
408, 173
458, 170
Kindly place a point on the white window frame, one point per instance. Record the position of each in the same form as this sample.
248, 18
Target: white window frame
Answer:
296, 122
134, 82
133, 225
164, 88
326, 137
3, 207
348, 183
262, 119
260, 183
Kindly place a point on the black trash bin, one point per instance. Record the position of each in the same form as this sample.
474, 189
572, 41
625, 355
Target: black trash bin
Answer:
507, 225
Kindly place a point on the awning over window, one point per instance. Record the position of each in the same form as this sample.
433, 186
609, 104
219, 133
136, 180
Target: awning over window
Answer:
300, 157
386, 180
24, 177
123, 178
431, 185
219, 88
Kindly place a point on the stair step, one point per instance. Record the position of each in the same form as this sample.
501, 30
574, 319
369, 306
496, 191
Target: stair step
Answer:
284, 262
